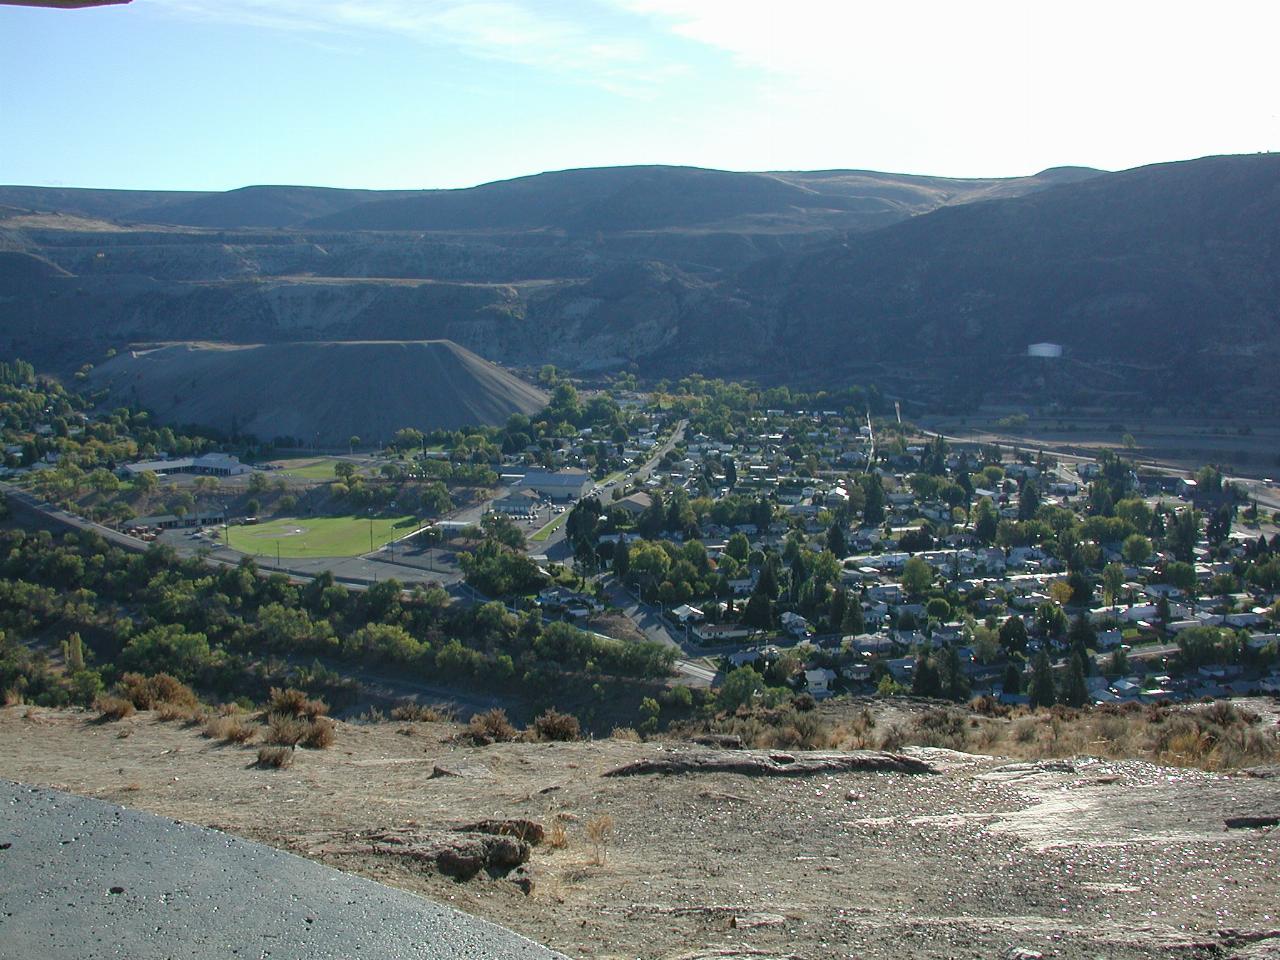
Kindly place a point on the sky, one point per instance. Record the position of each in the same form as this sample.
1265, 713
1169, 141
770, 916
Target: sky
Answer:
406, 94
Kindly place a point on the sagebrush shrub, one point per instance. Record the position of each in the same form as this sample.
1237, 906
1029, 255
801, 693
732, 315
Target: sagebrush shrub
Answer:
275, 757
554, 725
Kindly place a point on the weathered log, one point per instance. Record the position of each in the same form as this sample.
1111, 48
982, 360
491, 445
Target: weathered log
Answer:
754, 764
1245, 823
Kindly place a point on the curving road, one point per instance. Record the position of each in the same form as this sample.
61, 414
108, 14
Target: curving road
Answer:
85, 880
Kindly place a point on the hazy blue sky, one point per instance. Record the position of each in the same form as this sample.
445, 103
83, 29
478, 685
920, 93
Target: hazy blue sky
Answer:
213, 94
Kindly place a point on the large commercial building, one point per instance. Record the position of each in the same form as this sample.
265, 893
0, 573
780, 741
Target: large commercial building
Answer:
210, 464
561, 485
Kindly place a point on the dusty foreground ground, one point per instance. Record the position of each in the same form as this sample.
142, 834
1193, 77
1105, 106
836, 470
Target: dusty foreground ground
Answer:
1084, 858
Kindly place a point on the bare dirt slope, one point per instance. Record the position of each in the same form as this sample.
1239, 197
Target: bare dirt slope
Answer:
1068, 859
325, 392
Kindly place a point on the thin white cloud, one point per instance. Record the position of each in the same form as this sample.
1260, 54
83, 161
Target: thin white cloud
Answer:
565, 38
929, 84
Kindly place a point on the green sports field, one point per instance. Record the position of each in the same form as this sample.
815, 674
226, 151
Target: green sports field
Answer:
308, 468
307, 537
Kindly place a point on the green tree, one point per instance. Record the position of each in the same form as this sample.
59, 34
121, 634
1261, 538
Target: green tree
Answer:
836, 541
1136, 549
873, 510
925, 680
985, 521
167, 649
759, 611
740, 687
1012, 679
1042, 692
146, 482
73, 653
1050, 619
917, 576
621, 559
1074, 691
1028, 500
951, 674
835, 608
1112, 581
854, 623
1013, 634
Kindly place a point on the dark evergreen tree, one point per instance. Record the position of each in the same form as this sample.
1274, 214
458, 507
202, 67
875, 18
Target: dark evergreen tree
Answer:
1013, 634
730, 473
954, 681
873, 508
1028, 500
835, 608
1074, 691
1081, 633
759, 612
925, 681
1012, 679
1042, 692
836, 541
854, 623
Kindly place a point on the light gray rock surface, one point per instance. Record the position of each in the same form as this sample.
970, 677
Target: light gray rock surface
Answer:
84, 879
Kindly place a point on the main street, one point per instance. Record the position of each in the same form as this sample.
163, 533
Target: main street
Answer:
555, 548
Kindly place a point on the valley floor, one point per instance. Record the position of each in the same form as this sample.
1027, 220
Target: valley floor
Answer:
1073, 858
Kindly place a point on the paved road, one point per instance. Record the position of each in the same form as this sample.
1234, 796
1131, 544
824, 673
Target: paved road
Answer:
648, 621
555, 548
85, 880
22, 501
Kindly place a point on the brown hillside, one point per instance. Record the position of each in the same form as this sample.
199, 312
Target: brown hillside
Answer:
318, 392
989, 857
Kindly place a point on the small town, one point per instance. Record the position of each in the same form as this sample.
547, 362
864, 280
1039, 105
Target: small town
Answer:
768, 545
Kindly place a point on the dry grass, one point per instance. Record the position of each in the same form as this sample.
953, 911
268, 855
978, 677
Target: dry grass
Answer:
554, 725
285, 729
1217, 736
1220, 736
113, 708
319, 735
786, 727
492, 726
557, 835
230, 729
169, 712
291, 731
600, 832
275, 757
625, 733
149, 692
411, 712
293, 702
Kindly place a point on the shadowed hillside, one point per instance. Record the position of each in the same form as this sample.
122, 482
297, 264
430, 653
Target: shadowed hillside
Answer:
1160, 282
1173, 268
319, 392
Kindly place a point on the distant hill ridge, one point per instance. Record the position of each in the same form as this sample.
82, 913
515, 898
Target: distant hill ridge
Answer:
1162, 283
581, 200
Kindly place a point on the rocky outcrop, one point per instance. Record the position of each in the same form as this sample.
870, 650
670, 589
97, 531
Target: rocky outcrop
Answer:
773, 764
